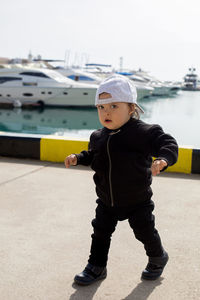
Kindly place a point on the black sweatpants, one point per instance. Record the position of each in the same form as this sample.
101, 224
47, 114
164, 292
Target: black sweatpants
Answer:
140, 219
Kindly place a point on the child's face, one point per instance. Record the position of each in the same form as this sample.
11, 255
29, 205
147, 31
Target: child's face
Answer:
114, 115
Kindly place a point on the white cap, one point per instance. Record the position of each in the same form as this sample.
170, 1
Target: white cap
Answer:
120, 88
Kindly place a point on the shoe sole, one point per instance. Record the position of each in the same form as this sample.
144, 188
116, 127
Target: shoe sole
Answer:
150, 278
156, 276
91, 282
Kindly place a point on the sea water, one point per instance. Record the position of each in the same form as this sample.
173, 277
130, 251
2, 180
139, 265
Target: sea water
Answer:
178, 115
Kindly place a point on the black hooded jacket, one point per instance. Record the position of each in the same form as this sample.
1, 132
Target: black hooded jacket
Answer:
122, 161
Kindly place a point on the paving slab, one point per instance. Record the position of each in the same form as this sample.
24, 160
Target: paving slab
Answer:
45, 216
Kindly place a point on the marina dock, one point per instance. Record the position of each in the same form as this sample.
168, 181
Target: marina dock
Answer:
45, 215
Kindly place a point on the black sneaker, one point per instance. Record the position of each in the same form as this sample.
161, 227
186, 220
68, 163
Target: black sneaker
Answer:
90, 274
155, 267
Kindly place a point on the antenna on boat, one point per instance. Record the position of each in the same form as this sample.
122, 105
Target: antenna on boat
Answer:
30, 56
192, 69
121, 64
67, 56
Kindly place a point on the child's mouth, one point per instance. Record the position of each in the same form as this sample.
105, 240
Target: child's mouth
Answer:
108, 121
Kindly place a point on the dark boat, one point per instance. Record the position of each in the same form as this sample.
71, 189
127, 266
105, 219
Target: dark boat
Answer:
191, 81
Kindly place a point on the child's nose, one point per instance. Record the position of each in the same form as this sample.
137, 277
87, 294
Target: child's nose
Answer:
107, 110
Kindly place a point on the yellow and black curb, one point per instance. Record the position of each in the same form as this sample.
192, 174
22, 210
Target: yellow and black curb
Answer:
55, 149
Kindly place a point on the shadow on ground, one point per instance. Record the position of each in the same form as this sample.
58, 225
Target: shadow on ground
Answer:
142, 291
84, 292
36, 162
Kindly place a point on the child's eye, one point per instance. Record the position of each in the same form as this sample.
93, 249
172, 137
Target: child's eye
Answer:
113, 106
100, 107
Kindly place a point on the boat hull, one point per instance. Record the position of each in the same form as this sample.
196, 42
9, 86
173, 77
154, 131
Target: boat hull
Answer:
49, 95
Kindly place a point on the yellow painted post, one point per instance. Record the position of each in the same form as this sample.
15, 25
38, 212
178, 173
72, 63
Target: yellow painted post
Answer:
184, 163
57, 148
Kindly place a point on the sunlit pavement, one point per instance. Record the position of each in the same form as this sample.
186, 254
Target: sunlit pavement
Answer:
45, 215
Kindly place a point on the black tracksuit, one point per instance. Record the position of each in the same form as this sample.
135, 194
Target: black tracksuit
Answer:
122, 161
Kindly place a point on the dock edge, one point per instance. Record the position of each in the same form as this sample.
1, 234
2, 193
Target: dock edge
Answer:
56, 148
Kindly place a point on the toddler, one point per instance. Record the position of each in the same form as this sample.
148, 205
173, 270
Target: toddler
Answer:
121, 156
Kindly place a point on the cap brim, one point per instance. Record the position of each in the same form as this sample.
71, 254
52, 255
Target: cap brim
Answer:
140, 108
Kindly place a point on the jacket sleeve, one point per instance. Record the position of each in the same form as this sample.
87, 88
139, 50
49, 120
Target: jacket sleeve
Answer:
85, 157
163, 145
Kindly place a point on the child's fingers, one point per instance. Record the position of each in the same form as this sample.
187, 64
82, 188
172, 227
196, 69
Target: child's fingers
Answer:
70, 160
157, 166
73, 159
67, 162
155, 170
162, 164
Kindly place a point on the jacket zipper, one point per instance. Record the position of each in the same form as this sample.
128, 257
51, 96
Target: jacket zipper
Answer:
110, 166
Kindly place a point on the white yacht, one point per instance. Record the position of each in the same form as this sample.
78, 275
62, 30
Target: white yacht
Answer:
160, 88
79, 75
143, 89
43, 86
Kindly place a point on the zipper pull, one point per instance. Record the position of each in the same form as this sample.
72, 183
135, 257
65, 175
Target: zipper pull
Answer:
114, 132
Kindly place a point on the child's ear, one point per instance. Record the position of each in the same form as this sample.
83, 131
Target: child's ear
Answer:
132, 108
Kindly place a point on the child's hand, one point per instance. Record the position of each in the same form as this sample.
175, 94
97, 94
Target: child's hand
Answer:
70, 160
157, 166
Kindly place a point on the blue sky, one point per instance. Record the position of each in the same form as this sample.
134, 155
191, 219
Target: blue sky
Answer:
156, 35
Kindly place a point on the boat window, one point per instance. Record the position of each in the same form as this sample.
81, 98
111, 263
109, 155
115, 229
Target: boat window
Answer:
73, 77
8, 78
80, 78
36, 74
29, 83
27, 94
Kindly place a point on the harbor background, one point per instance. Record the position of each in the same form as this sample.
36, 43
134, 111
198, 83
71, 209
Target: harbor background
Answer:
179, 115
42, 243
160, 37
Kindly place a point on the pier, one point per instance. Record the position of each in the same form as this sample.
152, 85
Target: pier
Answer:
45, 215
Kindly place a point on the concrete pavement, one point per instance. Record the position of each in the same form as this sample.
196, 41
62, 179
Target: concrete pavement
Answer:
45, 215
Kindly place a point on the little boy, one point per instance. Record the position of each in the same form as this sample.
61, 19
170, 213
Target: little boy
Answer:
121, 155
